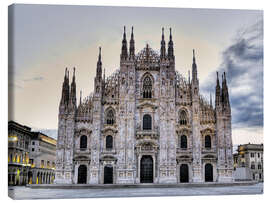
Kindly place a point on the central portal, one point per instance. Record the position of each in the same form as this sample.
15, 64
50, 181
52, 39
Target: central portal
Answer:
146, 175
108, 175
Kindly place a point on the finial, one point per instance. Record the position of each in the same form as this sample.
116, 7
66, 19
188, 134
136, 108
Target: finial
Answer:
162, 30
132, 29
194, 56
210, 99
170, 33
81, 97
124, 29
99, 55
189, 76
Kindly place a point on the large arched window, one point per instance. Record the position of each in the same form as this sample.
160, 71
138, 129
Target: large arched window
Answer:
147, 122
147, 87
207, 141
183, 119
109, 142
83, 142
183, 143
110, 119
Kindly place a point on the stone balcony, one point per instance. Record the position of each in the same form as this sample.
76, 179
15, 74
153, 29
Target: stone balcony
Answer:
82, 151
209, 150
147, 134
108, 151
180, 150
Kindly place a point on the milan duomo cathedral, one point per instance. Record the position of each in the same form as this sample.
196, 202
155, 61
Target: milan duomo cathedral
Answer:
145, 123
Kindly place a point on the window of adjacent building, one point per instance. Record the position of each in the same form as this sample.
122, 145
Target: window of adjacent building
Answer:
33, 143
110, 120
33, 149
207, 141
260, 175
42, 163
253, 176
252, 166
259, 155
243, 164
109, 142
259, 166
83, 142
183, 141
48, 164
147, 87
147, 122
183, 117
26, 145
251, 154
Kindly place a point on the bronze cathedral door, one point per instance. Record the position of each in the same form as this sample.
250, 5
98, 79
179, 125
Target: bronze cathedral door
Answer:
146, 174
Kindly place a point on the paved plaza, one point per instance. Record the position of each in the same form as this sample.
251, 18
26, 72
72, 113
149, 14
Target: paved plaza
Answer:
53, 193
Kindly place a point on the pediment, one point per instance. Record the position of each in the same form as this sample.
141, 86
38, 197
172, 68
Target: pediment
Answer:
108, 158
147, 104
208, 131
83, 131
108, 128
209, 156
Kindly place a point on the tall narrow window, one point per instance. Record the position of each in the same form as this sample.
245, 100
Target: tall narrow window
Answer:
83, 142
183, 142
183, 118
109, 142
147, 87
110, 117
147, 122
207, 141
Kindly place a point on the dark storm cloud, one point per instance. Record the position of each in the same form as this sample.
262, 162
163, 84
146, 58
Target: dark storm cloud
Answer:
243, 64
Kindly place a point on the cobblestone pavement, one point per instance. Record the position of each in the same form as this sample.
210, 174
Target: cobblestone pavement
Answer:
29, 193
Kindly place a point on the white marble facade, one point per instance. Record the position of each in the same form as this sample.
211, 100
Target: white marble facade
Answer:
144, 124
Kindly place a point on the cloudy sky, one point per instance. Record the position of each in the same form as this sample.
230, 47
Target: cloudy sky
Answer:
45, 39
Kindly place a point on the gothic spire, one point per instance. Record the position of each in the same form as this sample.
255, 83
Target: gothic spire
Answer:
73, 89
132, 45
194, 67
225, 94
170, 46
124, 53
163, 44
81, 97
210, 99
99, 66
217, 101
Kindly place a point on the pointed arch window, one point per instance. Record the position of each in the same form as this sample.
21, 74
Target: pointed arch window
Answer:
147, 87
183, 142
109, 142
147, 122
110, 118
207, 141
83, 142
183, 119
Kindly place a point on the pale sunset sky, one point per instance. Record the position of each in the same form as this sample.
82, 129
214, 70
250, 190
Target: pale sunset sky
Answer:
44, 40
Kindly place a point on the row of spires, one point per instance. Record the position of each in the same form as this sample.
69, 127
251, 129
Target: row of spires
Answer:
69, 96
222, 95
124, 51
68, 91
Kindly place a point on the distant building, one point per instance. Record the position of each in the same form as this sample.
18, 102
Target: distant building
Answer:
248, 162
31, 156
